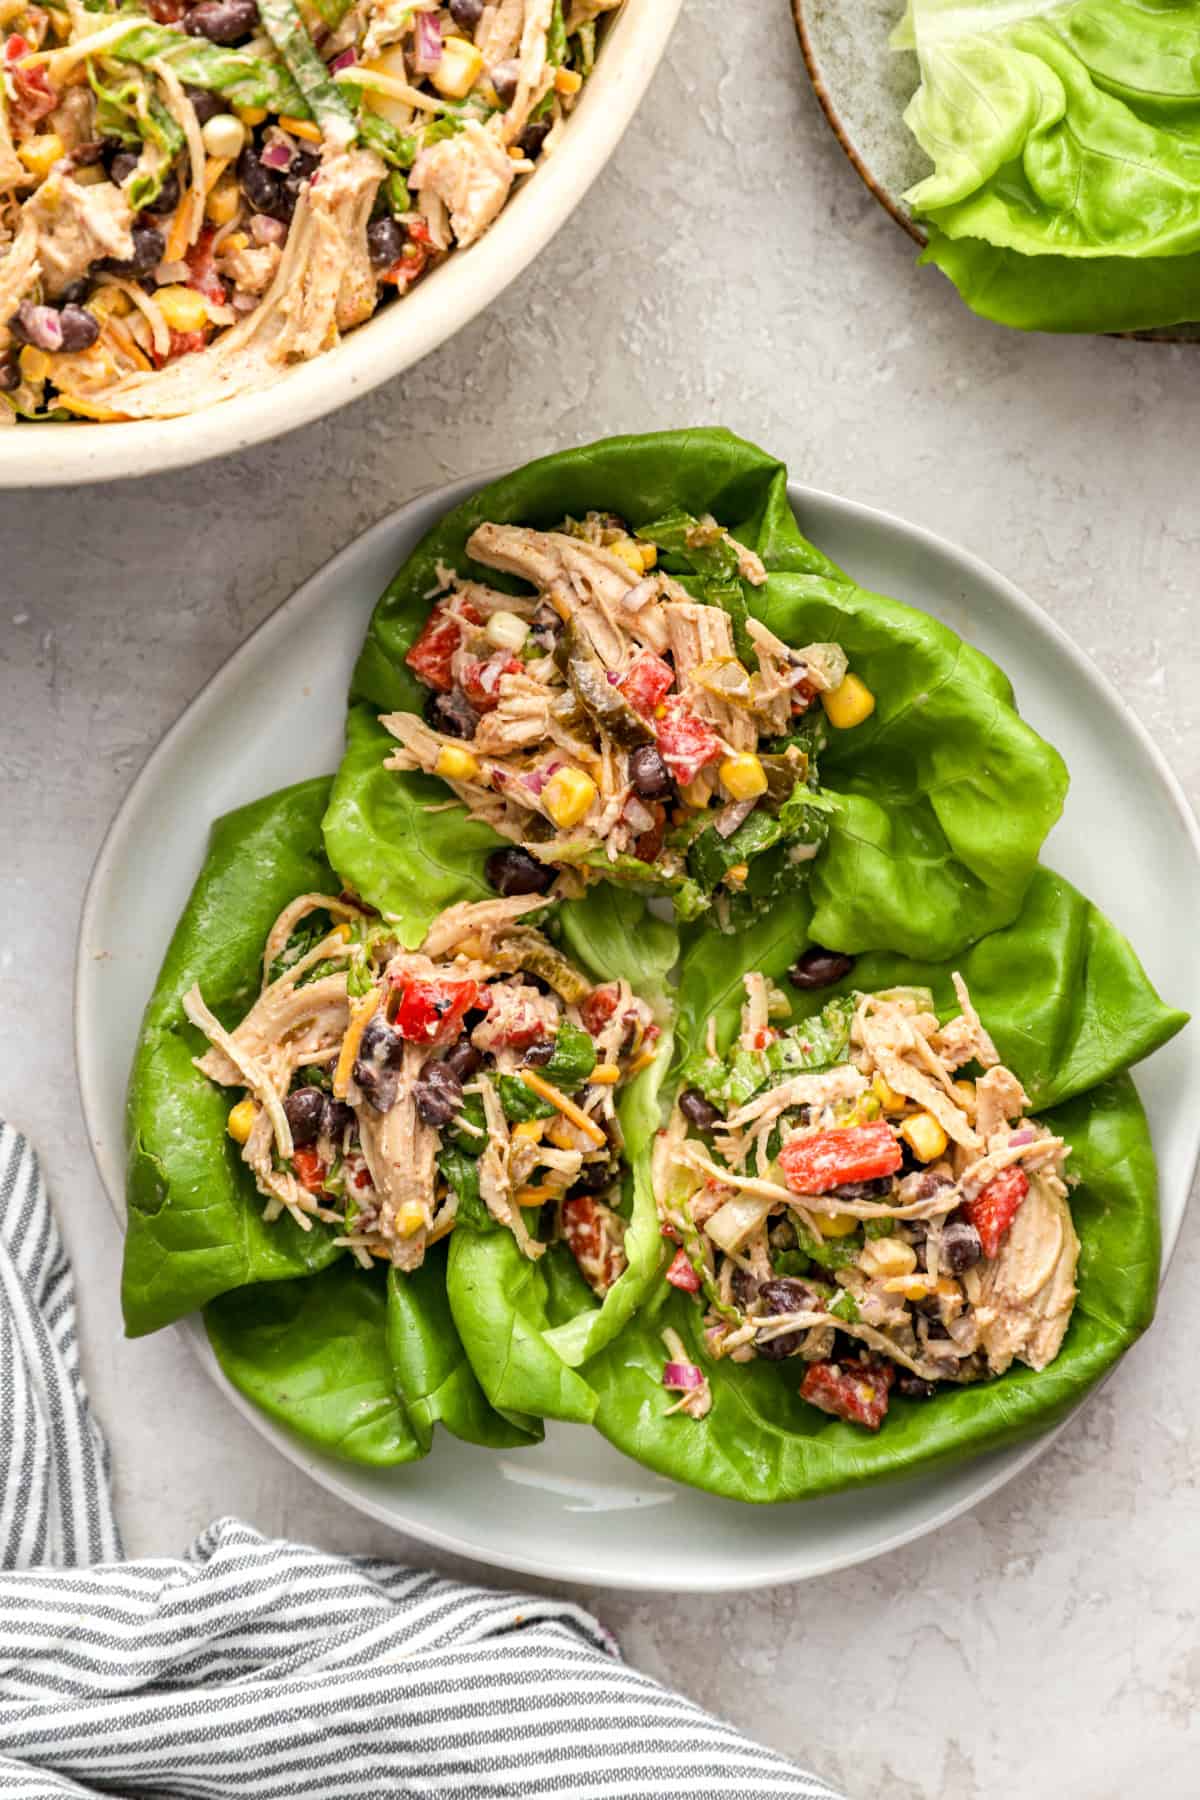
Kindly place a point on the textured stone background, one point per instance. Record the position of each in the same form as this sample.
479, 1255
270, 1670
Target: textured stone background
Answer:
727, 267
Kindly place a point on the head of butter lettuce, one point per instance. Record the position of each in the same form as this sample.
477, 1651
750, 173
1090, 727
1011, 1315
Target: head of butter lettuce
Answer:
359, 1363
1069, 1007
1065, 142
940, 801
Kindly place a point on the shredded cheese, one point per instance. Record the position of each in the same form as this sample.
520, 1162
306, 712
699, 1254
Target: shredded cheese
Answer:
546, 1090
359, 1014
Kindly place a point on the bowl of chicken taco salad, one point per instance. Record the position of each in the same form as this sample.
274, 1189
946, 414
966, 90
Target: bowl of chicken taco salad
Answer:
662, 1022
201, 200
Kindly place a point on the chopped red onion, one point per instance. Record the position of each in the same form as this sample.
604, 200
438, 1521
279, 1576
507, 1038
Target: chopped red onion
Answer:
683, 1376
427, 43
613, 677
636, 815
40, 326
265, 230
730, 817
536, 779
1025, 1136
346, 60
276, 156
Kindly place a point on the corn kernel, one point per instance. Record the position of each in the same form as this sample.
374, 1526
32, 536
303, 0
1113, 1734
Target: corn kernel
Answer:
736, 876
410, 1218
530, 1130
966, 1093
454, 764
251, 115
630, 553
301, 128
344, 932
925, 1135
888, 1098
109, 303
743, 776
458, 70
222, 205
35, 364
649, 557
183, 308
948, 1288
224, 136
39, 154
568, 796
506, 631
835, 1225
605, 1075
848, 704
913, 1287
566, 81
887, 1256
241, 1120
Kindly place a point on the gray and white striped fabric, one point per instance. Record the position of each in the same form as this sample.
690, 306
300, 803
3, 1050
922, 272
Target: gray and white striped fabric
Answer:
250, 1667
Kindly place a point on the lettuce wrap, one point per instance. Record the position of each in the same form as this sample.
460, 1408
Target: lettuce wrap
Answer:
1069, 1007
1065, 139
936, 806
358, 1363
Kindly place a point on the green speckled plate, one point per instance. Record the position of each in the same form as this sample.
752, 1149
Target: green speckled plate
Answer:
863, 86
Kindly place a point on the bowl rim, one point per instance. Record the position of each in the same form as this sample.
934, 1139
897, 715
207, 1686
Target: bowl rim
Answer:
399, 336
325, 1471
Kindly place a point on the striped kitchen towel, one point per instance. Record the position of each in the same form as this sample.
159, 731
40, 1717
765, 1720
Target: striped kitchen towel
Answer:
251, 1667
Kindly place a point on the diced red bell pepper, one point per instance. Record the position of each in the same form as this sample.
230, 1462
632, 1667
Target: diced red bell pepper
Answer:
184, 343
686, 742
648, 844
598, 1257
34, 96
310, 1170
826, 1159
682, 1275
202, 270
851, 1390
599, 1006
803, 695
995, 1206
429, 657
647, 682
481, 680
432, 1012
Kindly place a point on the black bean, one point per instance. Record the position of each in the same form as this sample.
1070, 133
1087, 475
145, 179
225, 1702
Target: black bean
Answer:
463, 1060
304, 165
206, 106
864, 1190
221, 21
377, 1067
451, 713
594, 1177
745, 1288
784, 1295
438, 1093
10, 375
534, 136
79, 328
539, 1053
76, 292
466, 13
338, 1118
513, 871
149, 247
819, 968
698, 1110
84, 155
385, 242
505, 78
961, 1246
167, 198
261, 188
649, 774
913, 1387
122, 165
305, 1110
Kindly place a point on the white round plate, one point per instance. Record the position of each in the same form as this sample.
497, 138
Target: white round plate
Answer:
399, 335
274, 715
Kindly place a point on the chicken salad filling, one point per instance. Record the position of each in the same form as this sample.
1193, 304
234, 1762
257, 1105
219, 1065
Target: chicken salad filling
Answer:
839, 1192
198, 194
627, 716
386, 1089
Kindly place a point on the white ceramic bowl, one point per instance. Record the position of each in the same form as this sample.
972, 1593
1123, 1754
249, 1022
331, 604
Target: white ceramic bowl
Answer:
401, 333
275, 714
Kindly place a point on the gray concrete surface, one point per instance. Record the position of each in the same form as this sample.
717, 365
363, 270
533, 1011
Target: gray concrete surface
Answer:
727, 267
